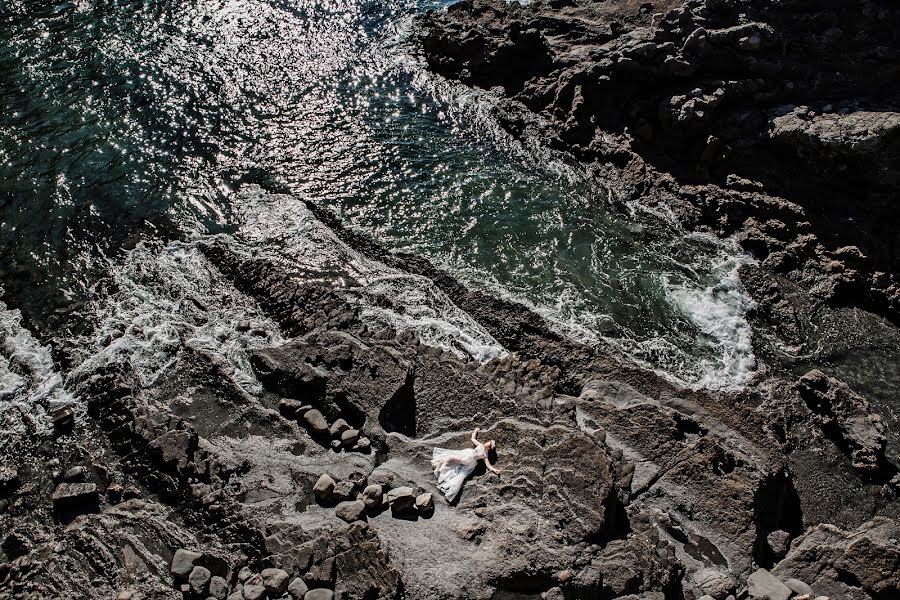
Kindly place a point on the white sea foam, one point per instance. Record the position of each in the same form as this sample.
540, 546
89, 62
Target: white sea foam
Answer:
719, 312
30, 386
165, 298
284, 229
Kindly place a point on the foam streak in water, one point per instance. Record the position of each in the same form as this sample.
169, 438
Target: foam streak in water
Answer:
30, 387
168, 297
290, 234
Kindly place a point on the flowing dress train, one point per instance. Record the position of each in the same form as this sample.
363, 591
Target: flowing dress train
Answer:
450, 477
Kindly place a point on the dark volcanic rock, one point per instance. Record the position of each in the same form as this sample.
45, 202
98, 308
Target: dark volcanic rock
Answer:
863, 563
747, 101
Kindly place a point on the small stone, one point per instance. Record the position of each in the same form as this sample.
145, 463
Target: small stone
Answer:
363, 444
125, 595
319, 594
291, 409
198, 580
316, 422
349, 437
798, 587
350, 511
114, 492
275, 581
75, 474
9, 479
338, 427
372, 495
763, 584
425, 503
401, 499
183, 563
297, 589
335, 445
76, 497
244, 574
779, 541
218, 588
254, 592
706, 597
239, 595
343, 491
324, 487
714, 583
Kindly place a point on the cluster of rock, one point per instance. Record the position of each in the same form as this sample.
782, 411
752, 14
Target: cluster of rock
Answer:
343, 437
616, 484
761, 584
201, 576
354, 499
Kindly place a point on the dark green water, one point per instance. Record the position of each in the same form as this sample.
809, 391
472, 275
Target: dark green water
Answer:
121, 120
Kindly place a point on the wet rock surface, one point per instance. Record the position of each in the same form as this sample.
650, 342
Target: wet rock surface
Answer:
615, 482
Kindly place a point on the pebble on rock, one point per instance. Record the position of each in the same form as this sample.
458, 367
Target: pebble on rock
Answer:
316, 422
372, 496
198, 580
324, 487
297, 589
275, 581
319, 594
338, 427
714, 583
254, 592
425, 503
343, 491
218, 588
349, 437
763, 584
401, 499
350, 511
798, 587
183, 563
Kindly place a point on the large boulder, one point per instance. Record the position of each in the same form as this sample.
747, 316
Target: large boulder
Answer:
861, 564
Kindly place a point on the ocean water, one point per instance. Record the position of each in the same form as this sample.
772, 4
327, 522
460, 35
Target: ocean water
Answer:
124, 125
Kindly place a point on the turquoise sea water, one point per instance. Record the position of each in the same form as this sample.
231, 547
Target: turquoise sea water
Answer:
122, 120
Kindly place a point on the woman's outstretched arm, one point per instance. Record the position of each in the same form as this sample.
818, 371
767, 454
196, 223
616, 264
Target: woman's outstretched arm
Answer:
475, 436
491, 467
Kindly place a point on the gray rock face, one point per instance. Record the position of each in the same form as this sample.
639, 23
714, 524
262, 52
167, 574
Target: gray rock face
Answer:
847, 415
762, 584
826, 557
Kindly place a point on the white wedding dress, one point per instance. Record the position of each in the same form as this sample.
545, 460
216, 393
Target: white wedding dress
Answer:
451, 477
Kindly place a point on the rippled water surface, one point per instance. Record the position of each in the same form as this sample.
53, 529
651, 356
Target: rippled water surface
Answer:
124, 118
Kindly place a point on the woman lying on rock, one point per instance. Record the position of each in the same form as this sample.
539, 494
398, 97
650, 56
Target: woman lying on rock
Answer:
451, 467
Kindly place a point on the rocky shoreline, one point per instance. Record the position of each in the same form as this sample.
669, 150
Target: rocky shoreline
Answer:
617, 483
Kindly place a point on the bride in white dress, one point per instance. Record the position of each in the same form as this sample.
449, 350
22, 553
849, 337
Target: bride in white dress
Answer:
451, 467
